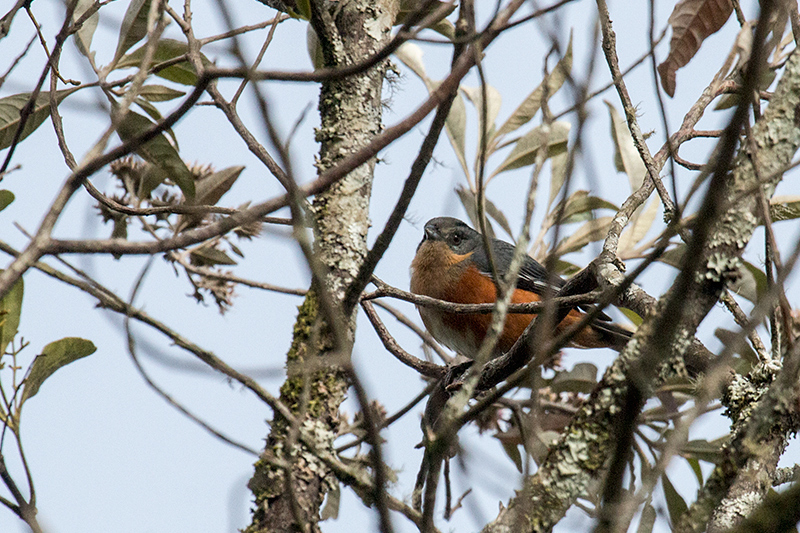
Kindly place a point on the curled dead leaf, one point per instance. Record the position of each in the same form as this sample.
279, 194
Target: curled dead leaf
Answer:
691, 21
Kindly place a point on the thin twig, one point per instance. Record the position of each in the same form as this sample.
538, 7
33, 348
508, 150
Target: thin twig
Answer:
243, 29
426, 337
395, 417
423, 367
385, 290
158, 390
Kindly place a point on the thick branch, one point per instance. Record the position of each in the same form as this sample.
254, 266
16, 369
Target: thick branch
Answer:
582, 451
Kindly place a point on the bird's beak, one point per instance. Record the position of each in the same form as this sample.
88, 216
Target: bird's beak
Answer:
431, 232
428, 234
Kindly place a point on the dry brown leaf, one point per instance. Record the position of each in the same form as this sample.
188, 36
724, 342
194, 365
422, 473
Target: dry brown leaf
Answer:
692, 21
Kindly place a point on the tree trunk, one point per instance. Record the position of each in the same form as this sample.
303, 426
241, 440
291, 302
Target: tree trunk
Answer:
289, 498
582, 452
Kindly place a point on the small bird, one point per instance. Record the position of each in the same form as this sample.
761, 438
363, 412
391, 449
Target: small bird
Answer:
451, 264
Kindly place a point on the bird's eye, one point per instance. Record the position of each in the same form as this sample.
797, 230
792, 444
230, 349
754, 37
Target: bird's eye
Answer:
456, 238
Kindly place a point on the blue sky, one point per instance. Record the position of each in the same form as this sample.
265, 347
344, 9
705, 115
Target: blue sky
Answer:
106, 453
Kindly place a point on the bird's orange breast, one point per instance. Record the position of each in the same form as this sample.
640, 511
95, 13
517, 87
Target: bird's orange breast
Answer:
475, 288
438, 273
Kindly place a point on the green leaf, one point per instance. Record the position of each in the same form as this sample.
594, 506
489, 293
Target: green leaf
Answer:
209, 191
157, 151
703, 450
440, 24
740, 365
624, 150
152, 177
559, 157
526, 148
591, 231
133, 27
493, 103
10, 311
410, 55
211, 188
727, 101
456, 127
565, 268
159, 93
156, 115
632, 316
698, 472
512, 450
11, 106
751, 282
314, 48
303, 9
728, 337
149, 108
676, 505
120, 230
470, 203
533, 102
6, 197
166, 49
83, 38
208, 256
674, 256
579, 207
494, 212
445, 28
331, 507
648, 519
582, 378
784, 208
54, 356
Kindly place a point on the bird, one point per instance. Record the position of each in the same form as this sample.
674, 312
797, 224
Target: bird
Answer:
451, 264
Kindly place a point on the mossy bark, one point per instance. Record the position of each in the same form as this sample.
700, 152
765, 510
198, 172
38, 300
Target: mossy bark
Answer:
583, 449
350, 111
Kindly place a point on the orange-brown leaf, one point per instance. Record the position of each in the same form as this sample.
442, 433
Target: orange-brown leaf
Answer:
692, 21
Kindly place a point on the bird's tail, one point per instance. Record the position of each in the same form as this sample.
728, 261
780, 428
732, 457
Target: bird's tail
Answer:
613, 335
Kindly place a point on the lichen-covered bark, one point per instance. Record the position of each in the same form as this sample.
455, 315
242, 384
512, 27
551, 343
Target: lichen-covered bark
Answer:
765, 415
584, 447
759, 433
753, 482
350, 111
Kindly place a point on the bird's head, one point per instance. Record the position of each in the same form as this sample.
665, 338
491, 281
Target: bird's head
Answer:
460, 238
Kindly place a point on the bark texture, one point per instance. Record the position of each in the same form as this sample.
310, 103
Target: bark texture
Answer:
585, 446
765, 413
288, 497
